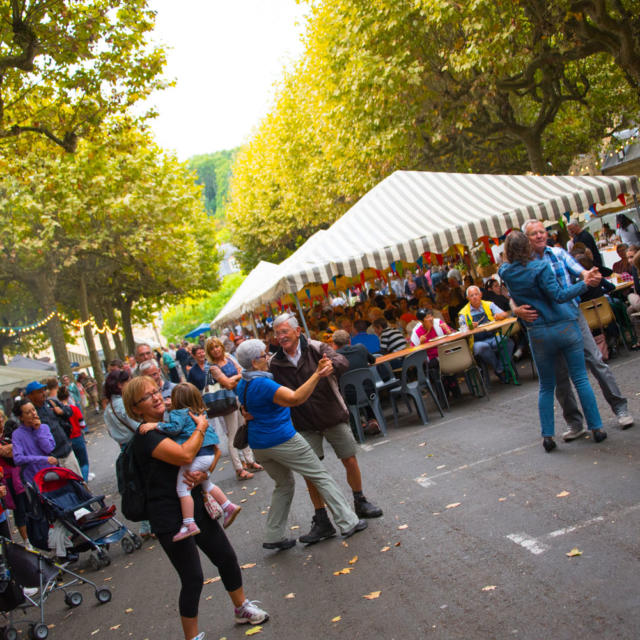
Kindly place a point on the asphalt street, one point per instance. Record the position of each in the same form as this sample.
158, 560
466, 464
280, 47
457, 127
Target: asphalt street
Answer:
474, 542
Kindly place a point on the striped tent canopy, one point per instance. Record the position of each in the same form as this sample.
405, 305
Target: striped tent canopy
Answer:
250, 289
412, 212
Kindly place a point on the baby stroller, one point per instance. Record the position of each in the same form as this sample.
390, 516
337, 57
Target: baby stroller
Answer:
92, 524
20, 567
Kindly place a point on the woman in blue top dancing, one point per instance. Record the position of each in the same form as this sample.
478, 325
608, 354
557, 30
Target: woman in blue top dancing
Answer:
554, 333
282, 450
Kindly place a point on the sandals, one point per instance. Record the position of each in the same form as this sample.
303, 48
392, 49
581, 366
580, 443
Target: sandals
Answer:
255, 466
243, 474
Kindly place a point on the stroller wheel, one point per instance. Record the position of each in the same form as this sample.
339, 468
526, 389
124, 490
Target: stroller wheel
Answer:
137, 540
127, 545
11, 633
73, 599
103, 596
39, 631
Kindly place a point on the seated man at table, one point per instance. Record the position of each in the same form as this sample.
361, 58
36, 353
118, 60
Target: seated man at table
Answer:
359, 358
369, 340
390, 339
485, 345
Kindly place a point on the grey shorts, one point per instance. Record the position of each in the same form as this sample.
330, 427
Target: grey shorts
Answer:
340, 437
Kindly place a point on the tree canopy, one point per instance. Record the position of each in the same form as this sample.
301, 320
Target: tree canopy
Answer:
483, 86
67, 66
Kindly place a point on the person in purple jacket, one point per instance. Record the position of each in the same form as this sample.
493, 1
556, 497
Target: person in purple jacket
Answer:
32, 441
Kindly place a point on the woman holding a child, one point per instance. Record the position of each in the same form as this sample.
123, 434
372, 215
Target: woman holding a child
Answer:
160, 458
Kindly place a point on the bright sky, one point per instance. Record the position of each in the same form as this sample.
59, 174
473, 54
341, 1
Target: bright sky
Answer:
225, 56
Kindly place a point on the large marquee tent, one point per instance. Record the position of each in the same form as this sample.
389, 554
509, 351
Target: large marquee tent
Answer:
413, 212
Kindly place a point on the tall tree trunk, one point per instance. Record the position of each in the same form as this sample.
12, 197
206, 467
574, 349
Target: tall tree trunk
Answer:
117, 340
44, 293
88, 336
533, 143
127, 330
96, 309
3, 362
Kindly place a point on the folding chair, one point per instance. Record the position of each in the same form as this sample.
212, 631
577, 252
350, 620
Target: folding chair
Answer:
455, 358
352, 388
599, 314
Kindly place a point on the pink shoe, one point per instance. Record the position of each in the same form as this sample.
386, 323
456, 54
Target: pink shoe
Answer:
186, 530
230, 514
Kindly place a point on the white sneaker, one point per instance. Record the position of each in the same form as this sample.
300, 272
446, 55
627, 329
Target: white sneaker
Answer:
625, 420
250, 613
200, 636
29, 592
573, 432
91, 476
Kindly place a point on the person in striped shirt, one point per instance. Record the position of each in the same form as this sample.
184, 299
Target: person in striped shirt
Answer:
391, 340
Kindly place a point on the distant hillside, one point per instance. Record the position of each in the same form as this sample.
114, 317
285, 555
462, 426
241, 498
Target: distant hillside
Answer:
214, 172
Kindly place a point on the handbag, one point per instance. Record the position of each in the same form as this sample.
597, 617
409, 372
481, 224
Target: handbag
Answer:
241, 439
211, 506
218, 400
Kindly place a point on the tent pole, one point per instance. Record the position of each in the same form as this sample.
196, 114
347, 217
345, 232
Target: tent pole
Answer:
635, 202
304, 322
253, 325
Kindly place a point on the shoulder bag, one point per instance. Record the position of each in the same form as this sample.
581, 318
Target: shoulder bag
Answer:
218, 400
241, 439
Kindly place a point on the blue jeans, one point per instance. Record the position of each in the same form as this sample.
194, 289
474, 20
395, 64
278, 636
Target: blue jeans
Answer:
548, 343
487, 352
80, 450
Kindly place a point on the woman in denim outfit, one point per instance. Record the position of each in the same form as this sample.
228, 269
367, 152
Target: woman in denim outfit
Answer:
555, 332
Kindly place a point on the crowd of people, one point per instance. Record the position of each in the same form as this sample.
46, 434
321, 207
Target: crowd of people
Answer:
286, 391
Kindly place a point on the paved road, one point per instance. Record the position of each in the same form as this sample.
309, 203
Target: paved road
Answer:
473, 544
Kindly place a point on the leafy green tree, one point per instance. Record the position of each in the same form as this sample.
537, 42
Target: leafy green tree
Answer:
67, 66
214, 171
181, 318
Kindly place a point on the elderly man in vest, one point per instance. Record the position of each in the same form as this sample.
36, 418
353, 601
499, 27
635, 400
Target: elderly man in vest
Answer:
485, 346
323, 416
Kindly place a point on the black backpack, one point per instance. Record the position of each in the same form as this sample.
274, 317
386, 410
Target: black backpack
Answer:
131, 484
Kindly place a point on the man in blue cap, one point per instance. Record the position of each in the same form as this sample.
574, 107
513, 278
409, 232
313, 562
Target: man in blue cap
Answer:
48, 413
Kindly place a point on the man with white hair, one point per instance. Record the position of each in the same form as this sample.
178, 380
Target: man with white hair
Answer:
565, 267
485, 344
142, 354
323, 416
150, 368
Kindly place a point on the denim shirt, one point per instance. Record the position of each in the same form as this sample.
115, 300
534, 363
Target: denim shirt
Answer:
535, 284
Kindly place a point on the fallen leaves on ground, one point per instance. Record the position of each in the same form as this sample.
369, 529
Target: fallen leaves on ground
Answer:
253, 493
403, 526
342, 572
353, 560
384, 549
210, 580
252, 632
115, 627
574, 552
249, 565
441, 466
373, 595
501, 499
289, 596
336, 619
422, 444
345, 544
263, 513
129, 610
294, 527
397, 544
93, 633
453, 505
489, 587
562, 494
243, 500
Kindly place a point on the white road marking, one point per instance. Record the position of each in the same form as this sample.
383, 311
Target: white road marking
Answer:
530, 544
428, 482
536, 546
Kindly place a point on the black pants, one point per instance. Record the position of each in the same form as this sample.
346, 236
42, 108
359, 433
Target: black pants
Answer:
186, 561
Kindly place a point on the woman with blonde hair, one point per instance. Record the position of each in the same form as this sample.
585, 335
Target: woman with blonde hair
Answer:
226, 371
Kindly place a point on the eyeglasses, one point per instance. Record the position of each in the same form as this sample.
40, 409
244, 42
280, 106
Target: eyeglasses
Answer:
148, 396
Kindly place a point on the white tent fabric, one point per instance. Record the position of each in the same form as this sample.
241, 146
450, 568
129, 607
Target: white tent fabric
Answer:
259, 278
412, 212
12, 377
